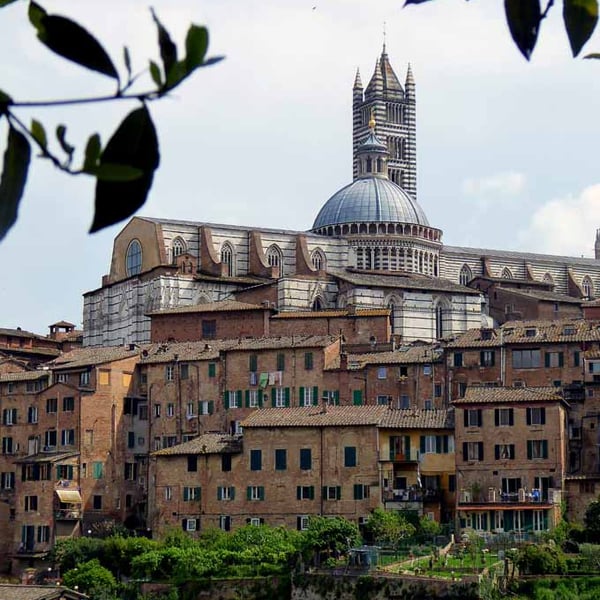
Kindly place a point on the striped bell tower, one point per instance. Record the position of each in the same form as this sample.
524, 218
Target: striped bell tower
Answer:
394, 110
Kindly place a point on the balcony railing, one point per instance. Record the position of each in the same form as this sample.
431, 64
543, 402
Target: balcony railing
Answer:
496, 497
67, 514
411, 456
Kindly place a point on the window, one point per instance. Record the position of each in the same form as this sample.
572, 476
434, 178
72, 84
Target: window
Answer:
576, 358
587, 287
280, 459
457, 359
209, 328
157, 410
68, 404
7, 481
317, 259
43, 534
31, 503
308, 396
308, 361
143, 412
473, 417
381, 372
212, 370
33, 386
65, 472
472, 451
84, 378
451, 483
67, 437
361, 491
97, 502
225, 523
103, 377
554, 359
177, 248
50, 438
383, 400
280, 397
305, 492
428, 405
225, 462
253, 363
191, 494
130, 471
305, 459
537, 449
404, 401
189, 410
252, 398
168, 493
227, 259
192, 463
168, 441
504, 451
51, 405
465, 275
280, 361
190, 525
9, 416
225, 493
302, 522
426, 369
587, 487
536, 416
428, 444
206, 407
274, 256
350, 456
170, 372
133, 258
526, 359
184, 371
332, 492
255, 460
62, 378
503, 417
170, 409
97, 470
10, 387
233, 399
255, 492
487, 358
255, 521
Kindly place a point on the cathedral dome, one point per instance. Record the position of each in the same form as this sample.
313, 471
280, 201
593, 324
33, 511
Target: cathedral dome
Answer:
370, 200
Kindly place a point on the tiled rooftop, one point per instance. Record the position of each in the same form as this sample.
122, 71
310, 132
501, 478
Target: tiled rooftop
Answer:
207, 443
418, 419
97, 355
9, 591
501, 395
209, 307
316, 314
25, 375
403, 355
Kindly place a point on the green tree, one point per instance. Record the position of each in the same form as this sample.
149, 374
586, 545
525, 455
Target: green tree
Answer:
329, 536
524, 19
124, 168
535, 559
93, 579
69, 553
591, 521
388, 527
429, 527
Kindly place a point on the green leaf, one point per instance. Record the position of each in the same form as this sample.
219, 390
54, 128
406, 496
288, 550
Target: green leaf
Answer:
523, 18
127, 61
61, 132
114, 172
593, 55
71, 41
196, 45
155, 74
39, 133
168, 50
92, 153
4, 3
14, 176
134, 144
580, 18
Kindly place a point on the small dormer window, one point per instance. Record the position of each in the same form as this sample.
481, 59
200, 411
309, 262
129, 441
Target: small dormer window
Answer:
486, 334
530, 332
569, 330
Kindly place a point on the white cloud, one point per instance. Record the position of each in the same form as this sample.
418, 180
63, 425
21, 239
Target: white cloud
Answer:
565, 226
500, 184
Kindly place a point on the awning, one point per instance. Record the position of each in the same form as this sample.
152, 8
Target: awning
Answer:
69, 496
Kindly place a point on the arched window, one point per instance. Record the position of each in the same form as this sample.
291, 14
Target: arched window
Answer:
133, 258
392, 303
506, 274
318, 260
465, 275
548, 279
177, 248
317, 303
441, 318
369, 164
587, 286
227, 258
274, 258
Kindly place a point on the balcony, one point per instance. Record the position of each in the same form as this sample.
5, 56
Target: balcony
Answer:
496, 498
68, 514
411, 456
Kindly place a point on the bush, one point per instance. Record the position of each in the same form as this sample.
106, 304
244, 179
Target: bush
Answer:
91, 578
541, 560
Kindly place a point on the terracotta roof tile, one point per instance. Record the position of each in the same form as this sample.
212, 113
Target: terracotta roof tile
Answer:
320, 314
207, 443
37, 592
25, 375
209, 307
403, 355
95, 355
419, 419
501, 395
315, 416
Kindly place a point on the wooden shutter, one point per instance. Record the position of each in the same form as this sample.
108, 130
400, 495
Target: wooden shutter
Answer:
315, 396
480, 450
286, 392
226, 400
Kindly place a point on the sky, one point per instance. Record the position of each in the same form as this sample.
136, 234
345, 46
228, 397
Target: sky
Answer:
507, 150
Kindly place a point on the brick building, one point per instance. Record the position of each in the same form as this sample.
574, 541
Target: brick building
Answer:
510, 458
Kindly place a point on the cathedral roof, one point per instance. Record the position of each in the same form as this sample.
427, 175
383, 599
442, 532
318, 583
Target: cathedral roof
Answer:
370, 200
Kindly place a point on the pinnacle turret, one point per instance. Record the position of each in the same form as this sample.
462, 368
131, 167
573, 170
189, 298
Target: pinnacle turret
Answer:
357, 81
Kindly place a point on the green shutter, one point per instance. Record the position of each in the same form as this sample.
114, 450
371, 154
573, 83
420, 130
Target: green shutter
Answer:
529, 449
301, 392
247, 398
561, 359
298, 492
197, 493
212, 369
286, 392
226, 400
422, 444
186, 494
211, 407
544, 448
357, 397
324, 492
338, 492
219, 493
576, 358
496, 417
249, 493
357, 491
261, 492
438, 444
445, 444
232, 492
311, 492
238, 397
407, 446
547, 359
273, 397
260, 398
315, 396
336, 397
